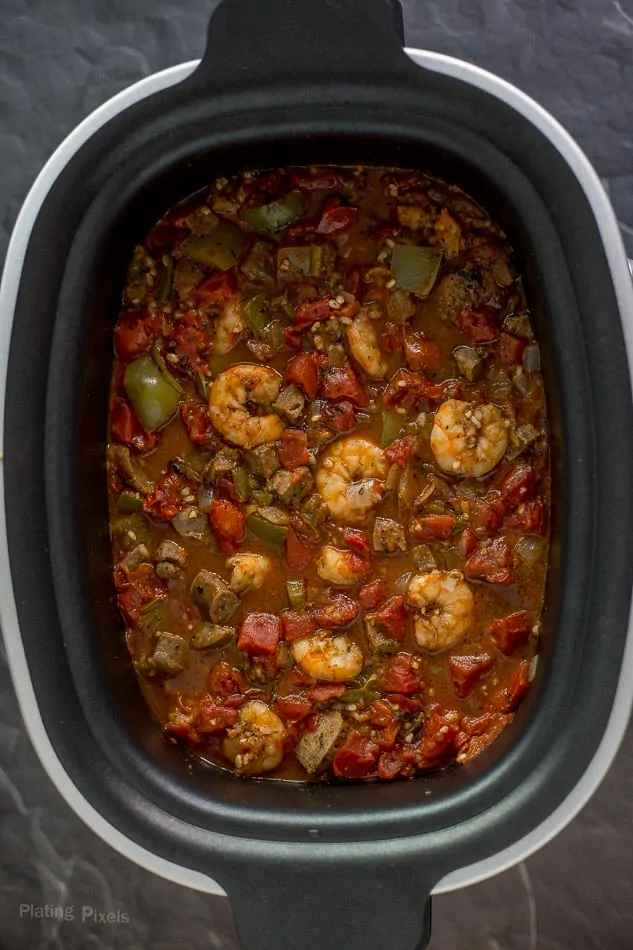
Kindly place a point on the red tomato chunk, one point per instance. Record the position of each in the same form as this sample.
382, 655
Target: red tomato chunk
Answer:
259, 634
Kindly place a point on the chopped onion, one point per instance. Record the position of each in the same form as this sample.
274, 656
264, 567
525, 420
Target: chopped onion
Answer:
403, 582
529, 550
531, 358
205, 500
362, 495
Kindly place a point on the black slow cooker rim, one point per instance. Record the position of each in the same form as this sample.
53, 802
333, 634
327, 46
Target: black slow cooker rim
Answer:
15, 479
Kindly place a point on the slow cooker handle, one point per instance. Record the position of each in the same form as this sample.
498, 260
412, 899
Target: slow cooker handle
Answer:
349, 904
253, 44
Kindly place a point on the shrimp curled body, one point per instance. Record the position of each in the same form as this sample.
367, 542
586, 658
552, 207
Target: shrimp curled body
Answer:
334, 659
468, 440
363, 343
230, 327
443, 608
256, 742
350, 477
231, 394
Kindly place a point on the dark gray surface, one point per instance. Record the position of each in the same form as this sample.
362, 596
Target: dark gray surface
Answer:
58, 60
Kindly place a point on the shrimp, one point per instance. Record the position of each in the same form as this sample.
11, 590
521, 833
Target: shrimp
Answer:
468, 440
256, 742
444, 608
349, 477
230, 327
230, 394
249, 571
323, 656
363, 342
341, 567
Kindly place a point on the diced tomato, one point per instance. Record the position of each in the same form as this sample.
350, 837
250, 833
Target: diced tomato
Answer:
399, 452
217, 289
302, 528
518, 684
357, 539
132, 336
259, 634
422, 355
312, 311
339, 416
510, 632
405, 388
392, 617
380, 713
432, 527
296, 624
341, 382
386, 737
399, 761
486, 516
127, 429
298, 554
326, 180
214, 718
226, 490
165, 501
440, 731
336, 217
305, 371
373, 594
180, 725
408, 703
467, 543
400, 674
519, 484
531, 520
137, 589
357, 757
191, 344
492, 563
339, 611
510, 349
294, 449
195, 418
225, 680
322, 692
391, 338
477, 732
479, 325
293, 708
228, 523
466, 670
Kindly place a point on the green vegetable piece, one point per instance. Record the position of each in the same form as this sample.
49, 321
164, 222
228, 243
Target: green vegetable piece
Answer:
257, 265
286, 305
153, 396
415, 268
129, 501
159, 359
257, 313
275, 216
220, 248
164, 278
315, 510
202, 220
242, 482
392, 423
153, 616
261, 497
296, 591
273, 535
131, 530
294, 262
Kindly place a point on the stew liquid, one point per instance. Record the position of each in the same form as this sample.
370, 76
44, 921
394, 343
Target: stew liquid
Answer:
329, 475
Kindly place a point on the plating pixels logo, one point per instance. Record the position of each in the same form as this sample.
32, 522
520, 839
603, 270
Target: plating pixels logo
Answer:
85, 913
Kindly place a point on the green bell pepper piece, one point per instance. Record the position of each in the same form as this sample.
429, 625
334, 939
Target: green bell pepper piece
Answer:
129, 501
257, 313
242, 483
273, 535
296, 591
220, 248
415, 268
153, 396
257, 265
261, 497
392, 423
277, 215
164, 278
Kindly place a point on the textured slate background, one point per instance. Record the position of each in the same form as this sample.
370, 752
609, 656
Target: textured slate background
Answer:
59, 59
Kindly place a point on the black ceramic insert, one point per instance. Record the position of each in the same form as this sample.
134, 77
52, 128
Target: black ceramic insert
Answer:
311, 81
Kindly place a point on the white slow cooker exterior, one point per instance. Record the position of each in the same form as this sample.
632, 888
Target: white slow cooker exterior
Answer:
610, 233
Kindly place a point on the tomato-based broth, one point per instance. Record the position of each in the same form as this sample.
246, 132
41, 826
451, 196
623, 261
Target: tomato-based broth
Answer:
329, 475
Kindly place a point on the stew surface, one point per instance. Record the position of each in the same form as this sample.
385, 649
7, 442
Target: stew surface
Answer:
329, 475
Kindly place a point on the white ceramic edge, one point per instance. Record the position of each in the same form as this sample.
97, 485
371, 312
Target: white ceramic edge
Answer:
609, 230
